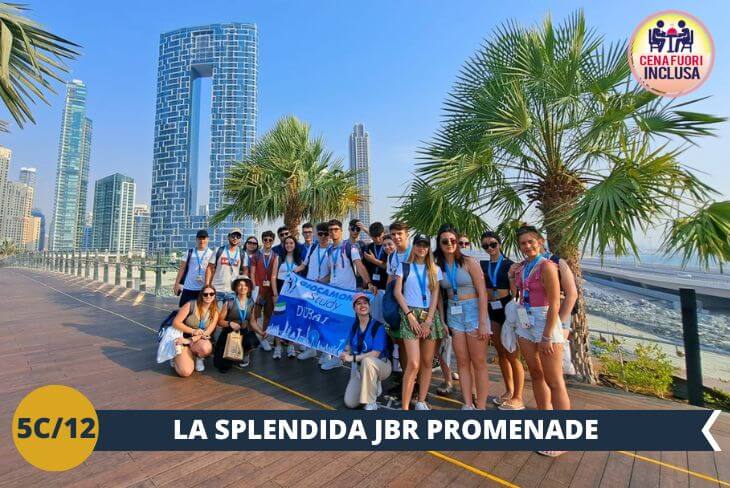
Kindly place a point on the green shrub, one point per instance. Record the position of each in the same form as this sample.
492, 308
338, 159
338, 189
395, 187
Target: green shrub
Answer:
647, 370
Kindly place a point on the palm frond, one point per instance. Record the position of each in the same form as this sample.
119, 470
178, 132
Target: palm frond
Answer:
704, 234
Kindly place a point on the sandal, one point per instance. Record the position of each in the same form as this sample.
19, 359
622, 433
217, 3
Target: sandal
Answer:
552, 454
445, 388
501, 399
509, 405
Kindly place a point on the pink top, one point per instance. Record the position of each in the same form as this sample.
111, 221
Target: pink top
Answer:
538, 297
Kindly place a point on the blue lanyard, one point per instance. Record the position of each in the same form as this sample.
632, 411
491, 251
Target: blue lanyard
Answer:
199, 260
493, 275
266, 264
451, 274
235, 257
203, 319
396, 258
242, 311
422, 283
378, 252
361, 336
337, 254
526, 270
320, 257
289, 267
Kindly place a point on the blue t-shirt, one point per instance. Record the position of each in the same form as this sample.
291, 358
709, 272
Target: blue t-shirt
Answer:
370, 342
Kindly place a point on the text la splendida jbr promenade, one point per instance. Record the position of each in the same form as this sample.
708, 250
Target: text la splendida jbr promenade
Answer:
320, 430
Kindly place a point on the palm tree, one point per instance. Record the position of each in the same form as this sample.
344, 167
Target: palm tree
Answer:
8, 248
544, 123
291, 175
30, 58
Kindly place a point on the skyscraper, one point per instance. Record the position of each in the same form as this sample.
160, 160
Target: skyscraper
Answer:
141, 227
28, 176
36, 212
16, 200
113, 222
72, 173
227, 53
360, 161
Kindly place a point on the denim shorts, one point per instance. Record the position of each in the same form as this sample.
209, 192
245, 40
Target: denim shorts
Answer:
223, 296
535, 331
468, 319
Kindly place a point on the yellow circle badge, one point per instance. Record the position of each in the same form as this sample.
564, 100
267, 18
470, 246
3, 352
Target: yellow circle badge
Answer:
55, 428
671, 53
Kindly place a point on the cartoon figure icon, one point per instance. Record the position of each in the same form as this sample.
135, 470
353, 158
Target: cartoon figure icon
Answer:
685, 38
657, 37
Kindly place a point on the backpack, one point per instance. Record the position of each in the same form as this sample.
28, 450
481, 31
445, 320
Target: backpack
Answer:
187, 266
388, 341
219, 253
556, 259
165, 324
391, 309
348, 253
311, 249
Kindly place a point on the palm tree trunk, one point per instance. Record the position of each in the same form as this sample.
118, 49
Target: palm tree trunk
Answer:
558, 194
292, 219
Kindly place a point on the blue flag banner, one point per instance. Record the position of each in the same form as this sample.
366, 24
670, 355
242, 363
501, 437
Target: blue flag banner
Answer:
396, 430
313, 314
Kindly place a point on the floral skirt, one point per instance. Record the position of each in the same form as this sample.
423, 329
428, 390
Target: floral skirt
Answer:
405, 332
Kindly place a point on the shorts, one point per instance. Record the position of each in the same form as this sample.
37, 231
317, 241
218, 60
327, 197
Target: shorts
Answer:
468, 319
534, 333
188, 295
223, 296
568, 323
498, 315
437, 328
376, 307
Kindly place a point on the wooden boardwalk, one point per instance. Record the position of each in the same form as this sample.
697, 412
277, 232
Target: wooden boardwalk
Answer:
100, 340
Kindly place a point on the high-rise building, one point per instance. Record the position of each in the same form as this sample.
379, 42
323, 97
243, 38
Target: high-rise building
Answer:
16, 200
87, 235
113, 222
360, 161
36, 212
72, 173
28, 176
227, 53
141, 227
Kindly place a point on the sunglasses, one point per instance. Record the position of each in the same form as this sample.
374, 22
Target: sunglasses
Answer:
447, 241
354, 229
208, 294
306, 232
333, 229
463, 243
234, 236
323, 234
252, 243
283, 235
268, 239
491, 245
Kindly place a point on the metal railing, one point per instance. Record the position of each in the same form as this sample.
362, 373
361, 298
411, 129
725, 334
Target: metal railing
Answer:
118, 270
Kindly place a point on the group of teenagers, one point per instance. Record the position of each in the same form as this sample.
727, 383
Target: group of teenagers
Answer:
448, 300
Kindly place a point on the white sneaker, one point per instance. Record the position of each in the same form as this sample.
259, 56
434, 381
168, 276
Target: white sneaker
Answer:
307, 354
332, 364
324, 357
291, 351
421, 406
277, 352
199, 364
468, 407
246, 360
371, 406
265, 345
172, 363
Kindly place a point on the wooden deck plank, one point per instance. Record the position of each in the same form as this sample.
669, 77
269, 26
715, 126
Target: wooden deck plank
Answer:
645, 474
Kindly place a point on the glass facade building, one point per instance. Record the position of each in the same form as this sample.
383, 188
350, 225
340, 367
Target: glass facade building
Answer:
226, 53
360, 161
113, 221
72, 172
141, 227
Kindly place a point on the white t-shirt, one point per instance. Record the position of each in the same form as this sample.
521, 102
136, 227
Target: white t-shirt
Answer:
195, 278
395, 259
412, 289
285, 268
227, 268
319, 263
341, 270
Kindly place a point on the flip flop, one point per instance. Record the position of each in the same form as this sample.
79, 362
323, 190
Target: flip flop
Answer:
552, 454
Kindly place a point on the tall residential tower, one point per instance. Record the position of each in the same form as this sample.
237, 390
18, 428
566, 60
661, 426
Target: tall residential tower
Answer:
113, 222
226, 53
360, 161
72, 173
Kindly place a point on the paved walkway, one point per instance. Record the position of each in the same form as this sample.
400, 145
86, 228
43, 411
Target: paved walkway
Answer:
100, 340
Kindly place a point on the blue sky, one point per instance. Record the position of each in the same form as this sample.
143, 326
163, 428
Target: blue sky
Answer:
387, 64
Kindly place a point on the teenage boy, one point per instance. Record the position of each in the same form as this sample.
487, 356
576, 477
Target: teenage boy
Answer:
318, 269
344, 259
191, 277
264, 265
399, 233
308, 235
227, 263
374, 257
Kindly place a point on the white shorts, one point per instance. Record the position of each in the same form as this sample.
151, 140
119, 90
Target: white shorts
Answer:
535, 331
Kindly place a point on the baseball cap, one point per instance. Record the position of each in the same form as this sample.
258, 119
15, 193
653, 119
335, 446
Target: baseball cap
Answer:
202, 234
236, 231
418, 238
358, 296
